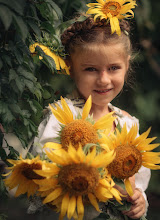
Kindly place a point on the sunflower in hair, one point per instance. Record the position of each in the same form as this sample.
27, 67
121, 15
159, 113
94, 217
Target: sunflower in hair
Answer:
113, 11
75, 178
131, 153
81, 130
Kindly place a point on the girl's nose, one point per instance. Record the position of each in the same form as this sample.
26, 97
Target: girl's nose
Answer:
104, 78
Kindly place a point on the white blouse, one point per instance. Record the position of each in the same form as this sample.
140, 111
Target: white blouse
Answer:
48, 131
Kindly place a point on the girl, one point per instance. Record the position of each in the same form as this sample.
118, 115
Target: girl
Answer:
99, 64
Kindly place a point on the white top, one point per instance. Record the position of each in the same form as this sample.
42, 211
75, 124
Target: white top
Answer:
49, 127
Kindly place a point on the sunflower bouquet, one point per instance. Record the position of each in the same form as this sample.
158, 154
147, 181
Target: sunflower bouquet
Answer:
81, 169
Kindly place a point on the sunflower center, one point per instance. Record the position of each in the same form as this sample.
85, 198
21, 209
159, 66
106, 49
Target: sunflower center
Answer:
78, 131
127, 162
78, 179
28, 172
112, 7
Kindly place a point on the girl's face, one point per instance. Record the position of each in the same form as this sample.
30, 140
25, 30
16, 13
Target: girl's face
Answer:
99, 71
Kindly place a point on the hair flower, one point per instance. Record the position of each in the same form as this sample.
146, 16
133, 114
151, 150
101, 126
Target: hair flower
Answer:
112, 11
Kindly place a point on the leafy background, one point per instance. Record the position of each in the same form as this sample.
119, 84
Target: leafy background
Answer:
27, 85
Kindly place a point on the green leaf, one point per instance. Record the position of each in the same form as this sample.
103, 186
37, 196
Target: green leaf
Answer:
46, 94
26, 74
3, 155
7, 60
15, 108
12, 75
14, 154
35, 28
21, 25
18, 55
1, 64
56, 9
143, 218
3, 191
6, 16
6, 113
16, 5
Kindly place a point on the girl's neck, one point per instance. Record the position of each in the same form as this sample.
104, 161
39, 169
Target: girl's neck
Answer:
99, 111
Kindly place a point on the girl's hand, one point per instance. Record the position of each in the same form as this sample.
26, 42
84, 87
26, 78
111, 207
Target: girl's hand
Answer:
138, 205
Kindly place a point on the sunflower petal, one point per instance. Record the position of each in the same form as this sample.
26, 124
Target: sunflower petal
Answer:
53, 195
67, 109
105, 122
64, 205
80, 208
93, 201
87, 108
128, 187
71, 207
52, 145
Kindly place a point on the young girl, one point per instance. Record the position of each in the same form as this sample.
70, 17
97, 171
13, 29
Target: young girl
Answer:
99, 64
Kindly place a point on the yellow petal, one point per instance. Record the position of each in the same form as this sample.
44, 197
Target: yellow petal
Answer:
93, 201
67, 109
90, 156
64, 206
80, 208
52, 145
151, 166
151, 157
71, 207
114, 22
53, 195
128, 187
60, 118
142, 137
145, 146
87, 108
103, 159
105, 122
66, 117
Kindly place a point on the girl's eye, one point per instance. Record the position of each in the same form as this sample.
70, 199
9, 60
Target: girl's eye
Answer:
113, 68
90, 69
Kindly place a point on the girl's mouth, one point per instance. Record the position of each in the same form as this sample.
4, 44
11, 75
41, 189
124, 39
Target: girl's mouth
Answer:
104, 91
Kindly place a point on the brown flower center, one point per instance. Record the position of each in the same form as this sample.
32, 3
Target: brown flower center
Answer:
78, 179
78, 131
28, 172
112, 7
127, 162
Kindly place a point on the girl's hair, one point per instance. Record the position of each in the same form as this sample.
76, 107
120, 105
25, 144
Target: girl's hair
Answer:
81, 34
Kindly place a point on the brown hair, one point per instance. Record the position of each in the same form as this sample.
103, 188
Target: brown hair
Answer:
89, 31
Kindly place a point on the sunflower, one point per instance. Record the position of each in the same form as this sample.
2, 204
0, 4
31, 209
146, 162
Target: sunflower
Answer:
75, 178
60, 63
80, 130
22, 175
131, 153
112, 11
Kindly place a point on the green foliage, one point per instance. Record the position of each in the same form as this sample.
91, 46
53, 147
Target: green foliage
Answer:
23, 90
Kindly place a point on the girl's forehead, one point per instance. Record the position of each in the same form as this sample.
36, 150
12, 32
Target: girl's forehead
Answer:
92, 51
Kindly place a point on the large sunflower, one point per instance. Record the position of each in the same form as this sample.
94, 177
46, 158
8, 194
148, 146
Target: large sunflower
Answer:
112, 11
22, 175
131, 153
75, 178
60, 63
80, 130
